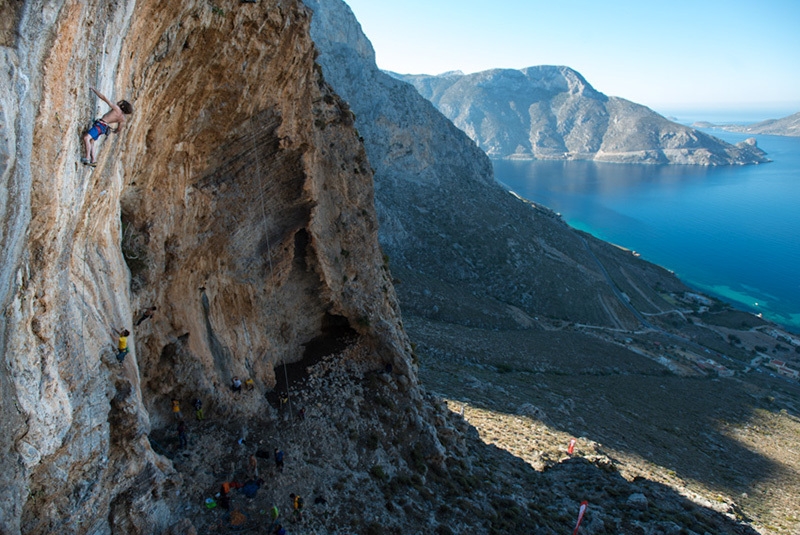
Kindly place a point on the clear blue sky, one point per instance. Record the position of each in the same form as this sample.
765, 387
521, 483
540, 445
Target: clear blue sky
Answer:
669, 55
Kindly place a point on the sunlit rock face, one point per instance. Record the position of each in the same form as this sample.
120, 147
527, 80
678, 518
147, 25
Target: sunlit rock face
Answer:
237, 200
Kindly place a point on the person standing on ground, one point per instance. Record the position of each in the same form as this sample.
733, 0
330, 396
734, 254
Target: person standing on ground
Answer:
278, 460
254, 465
297, 505
176, 409
273, 514
198, 409
101, 126
182, 440
224, 499
236, 384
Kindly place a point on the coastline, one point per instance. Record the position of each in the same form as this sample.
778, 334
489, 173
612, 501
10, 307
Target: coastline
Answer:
713, 228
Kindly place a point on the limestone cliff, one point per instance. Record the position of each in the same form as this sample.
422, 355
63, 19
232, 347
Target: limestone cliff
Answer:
551, 112
237, 200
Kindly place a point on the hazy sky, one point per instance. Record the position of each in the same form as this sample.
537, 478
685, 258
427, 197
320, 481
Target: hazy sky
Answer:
672, 55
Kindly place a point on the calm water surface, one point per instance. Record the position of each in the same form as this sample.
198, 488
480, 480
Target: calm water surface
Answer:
732, 232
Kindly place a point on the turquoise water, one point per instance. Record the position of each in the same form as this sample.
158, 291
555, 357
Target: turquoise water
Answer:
731, 232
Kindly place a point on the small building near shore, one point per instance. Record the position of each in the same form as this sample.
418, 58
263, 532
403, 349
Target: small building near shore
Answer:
781, 367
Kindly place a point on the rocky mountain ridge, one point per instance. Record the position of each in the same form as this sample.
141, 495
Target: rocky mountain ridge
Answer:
552, 112
444, 221
785, 126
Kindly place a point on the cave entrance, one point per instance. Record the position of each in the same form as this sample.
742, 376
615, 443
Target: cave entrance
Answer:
336, 335
134, 244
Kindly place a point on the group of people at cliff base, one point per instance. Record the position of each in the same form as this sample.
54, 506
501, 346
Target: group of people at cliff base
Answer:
183, 440
249, 490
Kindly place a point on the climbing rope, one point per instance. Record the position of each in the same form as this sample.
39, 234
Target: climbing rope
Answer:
269, 249
83, 315
93, 442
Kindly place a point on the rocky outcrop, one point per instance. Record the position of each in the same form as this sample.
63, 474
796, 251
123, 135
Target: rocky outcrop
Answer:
550, 112
237, 200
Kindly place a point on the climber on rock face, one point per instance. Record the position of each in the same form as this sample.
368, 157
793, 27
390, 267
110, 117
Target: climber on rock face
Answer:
102, 126
122, 345
147, 314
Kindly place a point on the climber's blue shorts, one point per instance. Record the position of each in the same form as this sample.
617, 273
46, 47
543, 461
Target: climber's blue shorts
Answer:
99, 128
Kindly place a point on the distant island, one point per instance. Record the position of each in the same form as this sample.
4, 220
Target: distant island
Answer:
787, 126
552, 113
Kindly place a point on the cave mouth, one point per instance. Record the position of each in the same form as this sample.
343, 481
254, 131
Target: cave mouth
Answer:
335, 336
134, 245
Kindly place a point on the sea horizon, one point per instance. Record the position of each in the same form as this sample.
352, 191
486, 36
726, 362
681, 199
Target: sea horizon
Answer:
724, 116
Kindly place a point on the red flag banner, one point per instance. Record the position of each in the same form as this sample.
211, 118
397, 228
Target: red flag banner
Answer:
584, 506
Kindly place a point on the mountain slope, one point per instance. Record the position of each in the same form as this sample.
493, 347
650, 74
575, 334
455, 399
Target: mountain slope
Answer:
444, 222
550, 112
535, 327
238, 201
786, 126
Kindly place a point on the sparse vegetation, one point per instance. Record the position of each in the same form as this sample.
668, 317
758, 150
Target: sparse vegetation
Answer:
568, 389
377, 472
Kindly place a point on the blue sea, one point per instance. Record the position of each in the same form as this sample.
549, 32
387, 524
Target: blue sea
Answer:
731, 232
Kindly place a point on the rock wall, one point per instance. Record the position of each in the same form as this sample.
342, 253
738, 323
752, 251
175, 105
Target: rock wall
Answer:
237, 200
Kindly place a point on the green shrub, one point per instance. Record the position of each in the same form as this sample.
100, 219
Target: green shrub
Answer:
373, 441
378, 473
